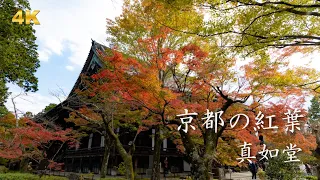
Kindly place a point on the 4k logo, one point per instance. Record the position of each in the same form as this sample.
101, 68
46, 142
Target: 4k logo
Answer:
18, 17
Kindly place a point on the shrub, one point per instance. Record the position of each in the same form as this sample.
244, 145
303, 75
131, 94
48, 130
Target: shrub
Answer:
3, 161
74, 176
86, 176
121, 168
3, 169
237, 169
261, 174
278, 169
53, 178
311, 178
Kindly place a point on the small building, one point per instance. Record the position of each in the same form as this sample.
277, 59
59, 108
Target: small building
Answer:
89, 155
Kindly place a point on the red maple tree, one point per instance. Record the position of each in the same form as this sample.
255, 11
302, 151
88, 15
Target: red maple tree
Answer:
30, 140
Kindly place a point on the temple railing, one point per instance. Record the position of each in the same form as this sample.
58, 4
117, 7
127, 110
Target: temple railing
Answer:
139, 151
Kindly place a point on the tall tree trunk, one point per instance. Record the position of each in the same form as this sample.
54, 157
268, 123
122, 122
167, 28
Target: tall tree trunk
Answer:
127, 158
199, 169
210, 146
105, 161
201, 157
201, 164
156, 155
129, 167
24, 165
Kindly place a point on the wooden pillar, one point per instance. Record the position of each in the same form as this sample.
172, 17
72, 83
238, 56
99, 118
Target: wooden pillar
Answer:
100, 164
90, 165
90, 141
66, 164
77, 145
102, 141
72, 167
80, 165
135, 164
164, 143
153, 134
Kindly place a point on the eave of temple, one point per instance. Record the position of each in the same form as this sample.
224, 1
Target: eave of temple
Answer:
96, 53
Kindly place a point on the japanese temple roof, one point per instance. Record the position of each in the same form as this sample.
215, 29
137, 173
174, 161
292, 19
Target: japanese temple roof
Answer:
96, 49
99, 51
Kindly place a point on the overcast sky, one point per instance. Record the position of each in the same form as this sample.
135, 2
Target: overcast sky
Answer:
64, 38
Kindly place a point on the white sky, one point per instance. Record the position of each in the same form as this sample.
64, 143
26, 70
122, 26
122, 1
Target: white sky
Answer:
64, 39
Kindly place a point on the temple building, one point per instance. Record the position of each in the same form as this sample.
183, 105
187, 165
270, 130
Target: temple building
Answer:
89, 154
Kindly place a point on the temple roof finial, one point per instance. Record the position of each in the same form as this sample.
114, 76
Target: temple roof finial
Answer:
92, 41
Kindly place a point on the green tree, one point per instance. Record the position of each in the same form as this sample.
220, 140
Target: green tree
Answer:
3, 111
314, 117
49, 107
254, 25
40, 114
18, 51
314, 109
29, 115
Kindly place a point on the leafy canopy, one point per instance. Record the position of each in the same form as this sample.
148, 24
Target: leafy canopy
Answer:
249, 25
18, 51
198, 78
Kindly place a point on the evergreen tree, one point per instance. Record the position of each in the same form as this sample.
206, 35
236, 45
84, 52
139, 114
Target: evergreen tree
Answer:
277, 168
314, 109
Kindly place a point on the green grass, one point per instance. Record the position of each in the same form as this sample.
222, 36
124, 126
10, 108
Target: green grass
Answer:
117, 178
27, 176
111, 179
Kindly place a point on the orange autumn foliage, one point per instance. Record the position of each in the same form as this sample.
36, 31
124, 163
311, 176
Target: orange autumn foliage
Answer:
171, 80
